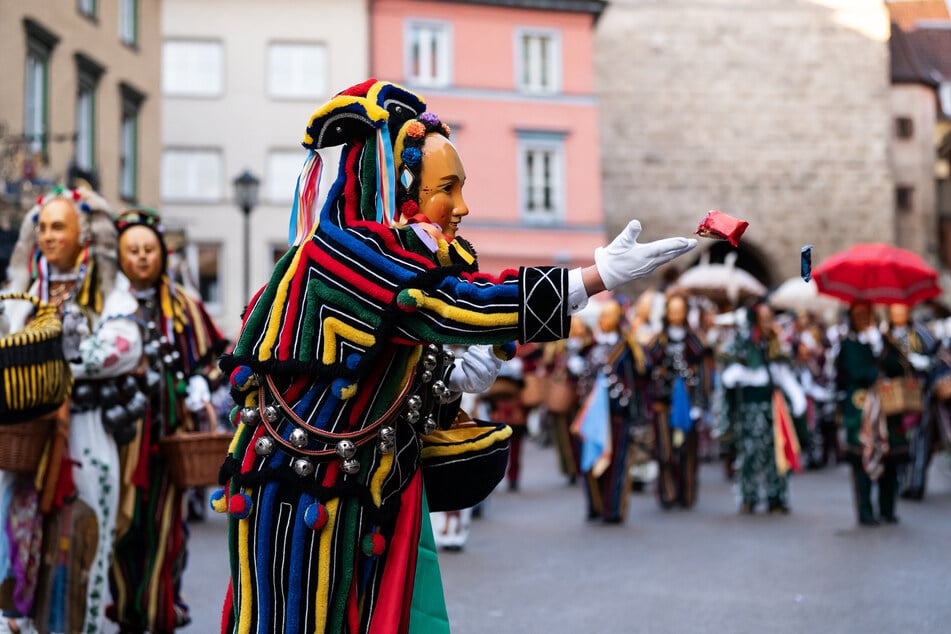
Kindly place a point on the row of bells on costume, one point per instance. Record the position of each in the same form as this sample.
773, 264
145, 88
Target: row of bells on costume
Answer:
434, 362
124, 399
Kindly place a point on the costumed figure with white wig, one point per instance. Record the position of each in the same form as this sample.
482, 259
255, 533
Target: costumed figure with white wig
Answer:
64, 526
761, 395
180, 341
343, 381
920, 348
678, 400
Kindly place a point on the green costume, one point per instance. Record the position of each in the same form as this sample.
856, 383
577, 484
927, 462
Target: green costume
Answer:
857, 369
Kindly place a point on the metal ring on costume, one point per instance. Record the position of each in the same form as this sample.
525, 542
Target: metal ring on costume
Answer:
359, 437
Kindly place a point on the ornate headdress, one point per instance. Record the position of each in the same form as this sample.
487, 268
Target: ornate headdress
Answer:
96, 265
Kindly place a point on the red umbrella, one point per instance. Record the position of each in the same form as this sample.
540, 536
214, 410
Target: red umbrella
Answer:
877, 273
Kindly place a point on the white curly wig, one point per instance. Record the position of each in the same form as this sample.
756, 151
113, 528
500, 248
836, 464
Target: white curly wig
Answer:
96, 229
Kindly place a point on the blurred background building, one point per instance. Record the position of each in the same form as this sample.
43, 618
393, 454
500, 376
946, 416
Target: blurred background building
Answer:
514, 80
80, 102
824, 122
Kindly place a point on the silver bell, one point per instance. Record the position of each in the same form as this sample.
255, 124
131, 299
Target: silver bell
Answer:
429, 426
271, 413
250, 416
351, 466
298, 438
441, 391
387, 435
432, 348
384, 447
168, 359
426, 376
429, 362
346, 449
414, 402
302, 467
448, 358
263, 446
411, 416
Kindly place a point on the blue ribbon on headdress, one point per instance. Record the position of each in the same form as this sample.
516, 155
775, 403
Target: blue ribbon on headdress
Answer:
386, 177
304, 218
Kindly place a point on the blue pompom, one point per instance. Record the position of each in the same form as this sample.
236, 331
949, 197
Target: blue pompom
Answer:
411, 156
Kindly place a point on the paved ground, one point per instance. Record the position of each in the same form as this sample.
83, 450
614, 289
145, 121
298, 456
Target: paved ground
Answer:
533, 564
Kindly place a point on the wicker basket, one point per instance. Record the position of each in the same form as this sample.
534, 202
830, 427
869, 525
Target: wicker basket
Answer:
194, 458
22, 444
900, 395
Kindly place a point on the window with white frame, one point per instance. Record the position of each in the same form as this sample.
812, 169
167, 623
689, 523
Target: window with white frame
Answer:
428, 55
296, 70
36, 91
539, 61
129, 22
541, 180
192, 68
283, 168
192, 174
88, 73
85, 127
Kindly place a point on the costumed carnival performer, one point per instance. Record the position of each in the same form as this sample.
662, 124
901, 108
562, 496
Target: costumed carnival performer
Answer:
66, 256
615, 384
757, 380
876, 445
920, 348
678, 399
179, 341
564, 363
339, 371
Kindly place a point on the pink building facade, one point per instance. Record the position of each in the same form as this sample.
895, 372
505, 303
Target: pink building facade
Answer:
514, 80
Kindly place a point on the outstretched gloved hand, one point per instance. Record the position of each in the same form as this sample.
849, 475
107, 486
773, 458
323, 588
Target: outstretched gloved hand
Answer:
626, 259
476, 370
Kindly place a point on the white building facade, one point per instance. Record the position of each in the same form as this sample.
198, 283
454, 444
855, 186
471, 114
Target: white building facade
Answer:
239, 80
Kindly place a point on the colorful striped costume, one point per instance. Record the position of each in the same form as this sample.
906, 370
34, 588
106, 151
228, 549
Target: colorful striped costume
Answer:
149, 556
336, 378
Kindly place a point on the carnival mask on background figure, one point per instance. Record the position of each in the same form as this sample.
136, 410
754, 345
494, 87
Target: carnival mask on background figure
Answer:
140, 257
58, 239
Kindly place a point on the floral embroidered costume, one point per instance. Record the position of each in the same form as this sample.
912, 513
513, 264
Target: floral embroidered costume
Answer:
80, 484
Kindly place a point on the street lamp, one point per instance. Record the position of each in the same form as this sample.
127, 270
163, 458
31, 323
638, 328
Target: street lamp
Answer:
246, 195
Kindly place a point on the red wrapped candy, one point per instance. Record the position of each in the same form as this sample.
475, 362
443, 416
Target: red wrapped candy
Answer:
717, 224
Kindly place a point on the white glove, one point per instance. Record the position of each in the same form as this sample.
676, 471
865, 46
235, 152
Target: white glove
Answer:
198, 393
475, 371
576, 365
873, 337
919, 361
625, 259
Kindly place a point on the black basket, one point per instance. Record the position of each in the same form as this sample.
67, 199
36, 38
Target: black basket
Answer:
36, 376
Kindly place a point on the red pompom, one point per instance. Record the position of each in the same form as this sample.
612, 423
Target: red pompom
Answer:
409, 208
373, 544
